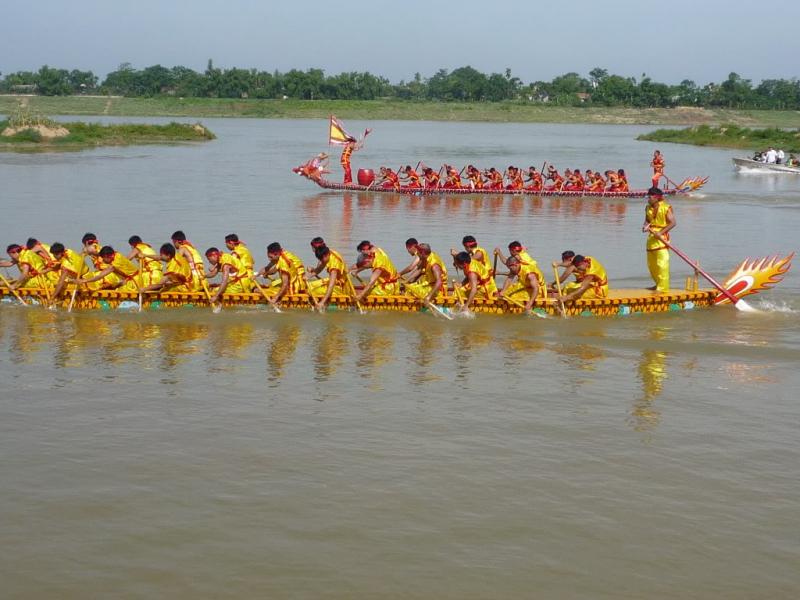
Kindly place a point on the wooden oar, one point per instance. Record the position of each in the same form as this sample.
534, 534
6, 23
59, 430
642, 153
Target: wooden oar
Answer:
558, 289
354, 294
12, 290
436, 310
214, 308
266, 297
737, 302
43, 286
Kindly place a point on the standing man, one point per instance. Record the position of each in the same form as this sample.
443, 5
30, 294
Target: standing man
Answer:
347, 152
658, 221
658, 167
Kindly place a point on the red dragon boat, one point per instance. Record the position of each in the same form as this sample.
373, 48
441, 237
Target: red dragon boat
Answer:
315, 170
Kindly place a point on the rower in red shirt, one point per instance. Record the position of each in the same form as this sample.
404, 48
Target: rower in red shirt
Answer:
535, 180
452, 178
389, 179
554, 176
515, 178
411, 176
495, 178
431, 178
475, 178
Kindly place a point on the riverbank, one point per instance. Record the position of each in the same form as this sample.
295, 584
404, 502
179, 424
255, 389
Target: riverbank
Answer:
503, 112
79, 136
729, 136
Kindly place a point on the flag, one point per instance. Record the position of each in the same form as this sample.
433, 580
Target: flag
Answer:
337, 134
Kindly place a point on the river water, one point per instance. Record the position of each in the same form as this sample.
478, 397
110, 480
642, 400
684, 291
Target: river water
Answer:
249, 454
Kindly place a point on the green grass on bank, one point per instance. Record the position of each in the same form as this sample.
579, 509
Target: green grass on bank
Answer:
506, 112
729, 136
88, 135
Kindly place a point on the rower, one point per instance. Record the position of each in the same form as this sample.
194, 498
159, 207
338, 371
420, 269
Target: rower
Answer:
151, 267
527, 263
413, 268
177, 273
554, 176
591, 280
410, 176
43, 251
335, 282
384, 278
235, 276
495, 178
566, 263
290, 269
535, 180
30, 264
476, 252
431, 178
316, 243
658, 221
389, 179
240, 251
127, 274
612, 181
514, 178
477, 278
452, 178
622, 181
184, 248
71, 266
432, 282
475, 178
598, 183
523, 281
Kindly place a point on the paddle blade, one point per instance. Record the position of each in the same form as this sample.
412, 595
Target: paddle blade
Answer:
745, 307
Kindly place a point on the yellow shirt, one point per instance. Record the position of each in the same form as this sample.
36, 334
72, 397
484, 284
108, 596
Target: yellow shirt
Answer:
484, 273
527, 266
123, 266
656, 216
484, 254
198, 260
293, 267
600, 283
241, 252
382, 261
72, 264
36, 263
429, 276
336, 262
150, 262
179, 270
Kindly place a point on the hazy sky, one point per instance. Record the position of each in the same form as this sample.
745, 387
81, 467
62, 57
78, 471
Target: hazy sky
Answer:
702, 40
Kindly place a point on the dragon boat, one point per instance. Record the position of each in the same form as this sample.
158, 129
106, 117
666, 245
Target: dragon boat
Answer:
750, 277
688, 185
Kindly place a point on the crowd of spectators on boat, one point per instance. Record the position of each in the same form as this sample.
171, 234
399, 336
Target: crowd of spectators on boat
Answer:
776, 157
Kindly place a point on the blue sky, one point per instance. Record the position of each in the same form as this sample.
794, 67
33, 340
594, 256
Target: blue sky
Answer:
702, 40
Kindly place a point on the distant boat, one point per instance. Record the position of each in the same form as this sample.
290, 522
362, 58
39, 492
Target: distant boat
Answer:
748, 164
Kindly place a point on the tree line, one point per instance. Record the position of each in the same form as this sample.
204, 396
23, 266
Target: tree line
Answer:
464, 84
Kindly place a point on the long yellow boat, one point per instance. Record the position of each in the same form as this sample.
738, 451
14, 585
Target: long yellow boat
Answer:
749, 278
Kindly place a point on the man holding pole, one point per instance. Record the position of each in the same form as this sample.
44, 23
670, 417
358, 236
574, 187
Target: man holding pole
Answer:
658, 221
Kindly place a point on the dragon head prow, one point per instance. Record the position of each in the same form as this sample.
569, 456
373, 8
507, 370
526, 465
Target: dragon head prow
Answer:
754, 275
691, 184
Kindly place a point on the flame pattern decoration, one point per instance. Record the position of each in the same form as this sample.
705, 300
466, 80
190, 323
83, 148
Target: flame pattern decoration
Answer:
755, 275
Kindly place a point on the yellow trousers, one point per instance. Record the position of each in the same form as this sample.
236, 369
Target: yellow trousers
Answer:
589, 294
658, 264
318, 287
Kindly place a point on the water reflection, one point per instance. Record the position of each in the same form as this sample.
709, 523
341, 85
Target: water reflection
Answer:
424, 354
281, 350
652, 372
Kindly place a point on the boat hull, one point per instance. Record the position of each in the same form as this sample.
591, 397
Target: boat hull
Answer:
747, 164
620, 302
409, 191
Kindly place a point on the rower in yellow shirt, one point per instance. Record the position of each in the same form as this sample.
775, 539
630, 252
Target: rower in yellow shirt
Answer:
150, 264
290, 270
178, 276
128, 276
240, 251
477, 253
184, 248
591, 280
413, 270
91, 248
659, 220
48, 272
29, 265
235, 277
478, 278
384, 280
432, 283
336, 281
71, 266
